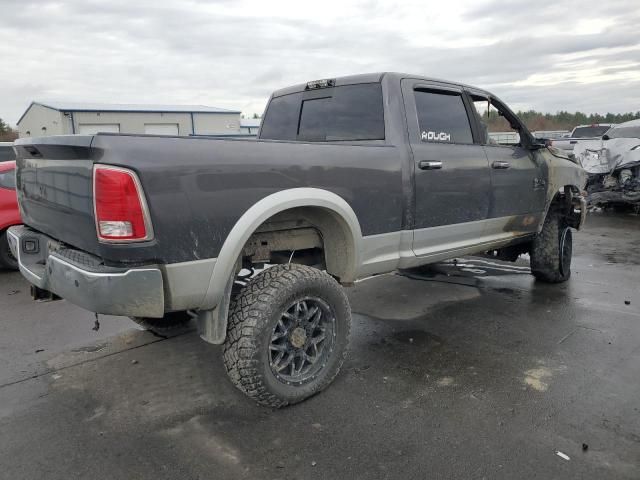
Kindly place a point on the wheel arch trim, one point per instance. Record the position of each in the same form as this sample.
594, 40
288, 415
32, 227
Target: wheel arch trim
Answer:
215, 304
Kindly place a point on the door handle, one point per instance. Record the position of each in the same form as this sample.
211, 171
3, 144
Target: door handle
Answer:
429, 165
500, 165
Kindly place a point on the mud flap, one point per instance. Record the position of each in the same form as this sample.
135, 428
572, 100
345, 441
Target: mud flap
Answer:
212, 324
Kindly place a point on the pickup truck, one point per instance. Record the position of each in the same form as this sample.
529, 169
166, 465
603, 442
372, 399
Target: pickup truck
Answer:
580, 134
349, 177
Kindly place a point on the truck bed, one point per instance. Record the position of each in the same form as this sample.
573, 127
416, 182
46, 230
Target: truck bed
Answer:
201, 185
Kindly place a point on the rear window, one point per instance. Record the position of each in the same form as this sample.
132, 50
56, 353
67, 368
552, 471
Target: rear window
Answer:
590, 132
8, 179
6, 153
347, 113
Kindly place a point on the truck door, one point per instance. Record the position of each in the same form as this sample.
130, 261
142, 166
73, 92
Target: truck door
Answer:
518, 182
451, 174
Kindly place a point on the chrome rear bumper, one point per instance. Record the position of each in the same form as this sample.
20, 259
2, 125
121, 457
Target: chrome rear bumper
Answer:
83, 280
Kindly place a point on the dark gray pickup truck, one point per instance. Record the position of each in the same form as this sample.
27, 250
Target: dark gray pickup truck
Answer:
349, 178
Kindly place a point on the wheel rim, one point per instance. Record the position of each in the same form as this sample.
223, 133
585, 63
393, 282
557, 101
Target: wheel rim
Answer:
302, 341
566, 246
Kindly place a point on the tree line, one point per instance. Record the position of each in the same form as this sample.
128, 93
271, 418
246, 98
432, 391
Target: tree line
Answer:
562, 120
7, 134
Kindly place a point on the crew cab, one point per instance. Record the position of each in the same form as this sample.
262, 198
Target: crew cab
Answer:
349, 177
580, 134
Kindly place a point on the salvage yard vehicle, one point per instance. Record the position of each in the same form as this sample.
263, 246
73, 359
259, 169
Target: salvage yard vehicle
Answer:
613, 165
350, 177
9, 213
581, 134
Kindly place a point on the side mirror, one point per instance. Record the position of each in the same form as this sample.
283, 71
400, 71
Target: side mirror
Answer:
606, 137
538, 143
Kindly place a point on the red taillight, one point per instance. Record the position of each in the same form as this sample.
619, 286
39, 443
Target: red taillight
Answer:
120, 210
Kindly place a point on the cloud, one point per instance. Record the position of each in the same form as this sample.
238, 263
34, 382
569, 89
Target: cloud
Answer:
546, 55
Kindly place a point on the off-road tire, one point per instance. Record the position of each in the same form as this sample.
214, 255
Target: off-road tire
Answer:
7, 260
172, 322
551, 250
254, 314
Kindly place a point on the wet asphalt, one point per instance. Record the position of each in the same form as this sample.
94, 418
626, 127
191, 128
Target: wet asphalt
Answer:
468, 370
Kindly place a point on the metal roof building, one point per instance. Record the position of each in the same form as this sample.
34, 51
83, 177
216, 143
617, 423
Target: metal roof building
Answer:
60, 118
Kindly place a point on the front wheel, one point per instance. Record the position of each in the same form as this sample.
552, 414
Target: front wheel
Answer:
551, 250
288, 335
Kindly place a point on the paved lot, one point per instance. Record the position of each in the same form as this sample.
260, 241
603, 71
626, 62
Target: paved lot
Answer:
471, 371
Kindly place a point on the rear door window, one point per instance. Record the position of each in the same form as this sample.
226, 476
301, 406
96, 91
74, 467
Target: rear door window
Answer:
442, 117
347, 113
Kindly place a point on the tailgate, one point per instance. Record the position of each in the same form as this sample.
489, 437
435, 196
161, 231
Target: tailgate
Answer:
55, 188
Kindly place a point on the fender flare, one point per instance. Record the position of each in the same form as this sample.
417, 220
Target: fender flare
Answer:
212, 317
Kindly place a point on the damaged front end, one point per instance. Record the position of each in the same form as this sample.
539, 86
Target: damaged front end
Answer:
613, 165
622, 186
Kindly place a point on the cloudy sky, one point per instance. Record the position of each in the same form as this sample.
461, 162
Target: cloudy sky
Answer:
541, 54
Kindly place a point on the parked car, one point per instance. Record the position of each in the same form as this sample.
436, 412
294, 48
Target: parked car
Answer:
613, 165
9, 213
580, 134
349, 178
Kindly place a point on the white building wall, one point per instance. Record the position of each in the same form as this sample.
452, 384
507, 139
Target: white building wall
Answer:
134, 122
58, 123
216, 123
38, 117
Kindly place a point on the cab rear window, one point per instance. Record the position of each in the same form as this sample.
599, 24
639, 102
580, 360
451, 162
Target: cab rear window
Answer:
347, 113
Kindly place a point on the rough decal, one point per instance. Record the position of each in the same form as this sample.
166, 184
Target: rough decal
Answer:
435, 137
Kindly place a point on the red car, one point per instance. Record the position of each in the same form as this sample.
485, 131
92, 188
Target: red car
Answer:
9, 213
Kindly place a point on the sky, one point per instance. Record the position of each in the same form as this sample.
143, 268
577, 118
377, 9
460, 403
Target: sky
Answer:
534, 54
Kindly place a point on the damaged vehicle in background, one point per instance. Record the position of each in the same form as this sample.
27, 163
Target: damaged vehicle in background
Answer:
613, 165
580, 135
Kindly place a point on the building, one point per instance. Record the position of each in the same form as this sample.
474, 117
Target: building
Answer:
250, 126
60, 118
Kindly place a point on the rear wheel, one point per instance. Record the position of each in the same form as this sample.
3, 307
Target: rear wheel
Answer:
7, 260
288, 334
551, 250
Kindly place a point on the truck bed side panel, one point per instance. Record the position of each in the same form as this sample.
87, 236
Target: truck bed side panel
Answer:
198, 188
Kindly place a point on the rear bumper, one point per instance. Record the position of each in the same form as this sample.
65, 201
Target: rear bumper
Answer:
83, 280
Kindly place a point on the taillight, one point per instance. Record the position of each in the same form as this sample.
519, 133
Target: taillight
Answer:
119, 205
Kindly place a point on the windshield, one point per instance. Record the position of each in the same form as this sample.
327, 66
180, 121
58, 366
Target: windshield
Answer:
624, 132
590, 132
6, 153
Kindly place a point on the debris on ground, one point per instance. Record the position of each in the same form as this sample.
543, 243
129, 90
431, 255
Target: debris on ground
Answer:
313, 464
585, 447
13, 292
134, 362
627, 302
562, 455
